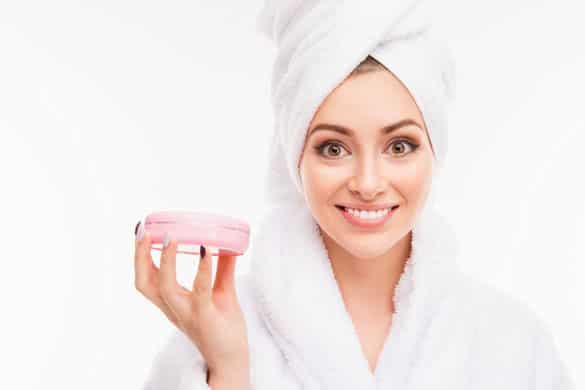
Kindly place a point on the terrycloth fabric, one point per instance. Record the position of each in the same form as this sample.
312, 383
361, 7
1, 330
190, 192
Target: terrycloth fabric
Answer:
449, 330
320, 42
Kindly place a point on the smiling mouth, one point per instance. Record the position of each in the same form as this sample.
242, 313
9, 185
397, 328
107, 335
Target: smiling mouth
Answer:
369, 219
345, 208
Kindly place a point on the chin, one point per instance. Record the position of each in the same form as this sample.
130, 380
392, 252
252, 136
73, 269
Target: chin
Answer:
368, 249
368, 246
367, 254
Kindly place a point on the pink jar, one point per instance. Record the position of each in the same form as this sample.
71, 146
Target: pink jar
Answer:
191, 229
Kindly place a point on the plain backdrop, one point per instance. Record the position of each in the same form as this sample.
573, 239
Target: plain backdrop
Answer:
111, 110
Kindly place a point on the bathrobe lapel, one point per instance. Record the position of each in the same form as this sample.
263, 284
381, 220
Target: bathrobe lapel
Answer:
302, 306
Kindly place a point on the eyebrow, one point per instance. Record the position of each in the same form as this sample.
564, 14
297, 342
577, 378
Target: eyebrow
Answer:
384, 130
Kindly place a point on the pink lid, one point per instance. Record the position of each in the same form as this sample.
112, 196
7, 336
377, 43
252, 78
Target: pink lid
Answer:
230, 235
199, 218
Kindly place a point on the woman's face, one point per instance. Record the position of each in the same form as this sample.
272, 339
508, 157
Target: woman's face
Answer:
365, 166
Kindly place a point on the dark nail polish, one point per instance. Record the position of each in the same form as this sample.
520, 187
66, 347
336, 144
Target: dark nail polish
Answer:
202, 251
136, 228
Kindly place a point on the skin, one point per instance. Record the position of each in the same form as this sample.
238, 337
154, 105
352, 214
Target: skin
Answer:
370, 169
209, 315
367, 168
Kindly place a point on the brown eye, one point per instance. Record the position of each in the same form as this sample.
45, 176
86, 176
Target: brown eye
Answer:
400, 150
334, 148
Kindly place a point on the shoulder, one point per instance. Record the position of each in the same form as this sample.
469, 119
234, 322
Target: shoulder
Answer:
487, 296
495, 311
510, 335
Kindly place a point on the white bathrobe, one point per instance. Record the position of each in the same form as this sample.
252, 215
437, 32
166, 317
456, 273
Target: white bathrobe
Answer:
450, 330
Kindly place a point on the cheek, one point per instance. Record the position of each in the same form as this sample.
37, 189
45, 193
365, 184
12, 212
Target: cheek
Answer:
318, 180
320, 183
413, 180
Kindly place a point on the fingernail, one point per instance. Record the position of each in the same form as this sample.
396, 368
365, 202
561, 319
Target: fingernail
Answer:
166, 239
139, 231
202, 251
136, 228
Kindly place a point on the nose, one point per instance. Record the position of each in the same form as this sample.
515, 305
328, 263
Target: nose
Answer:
368, 181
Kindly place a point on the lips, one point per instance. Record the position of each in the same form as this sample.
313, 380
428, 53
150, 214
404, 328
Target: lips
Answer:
366, 223
367, 207
343, 208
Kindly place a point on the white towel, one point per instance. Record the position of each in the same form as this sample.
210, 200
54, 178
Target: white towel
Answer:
319, 44
447, 332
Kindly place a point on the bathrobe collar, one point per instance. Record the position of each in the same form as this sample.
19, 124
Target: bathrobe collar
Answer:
301, 305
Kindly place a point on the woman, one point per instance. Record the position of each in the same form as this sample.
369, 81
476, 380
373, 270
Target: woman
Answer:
340, 296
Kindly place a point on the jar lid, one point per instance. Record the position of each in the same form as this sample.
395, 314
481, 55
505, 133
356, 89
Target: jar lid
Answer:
198, 218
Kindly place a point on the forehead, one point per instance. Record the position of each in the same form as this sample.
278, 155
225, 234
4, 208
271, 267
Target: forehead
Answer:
369, 100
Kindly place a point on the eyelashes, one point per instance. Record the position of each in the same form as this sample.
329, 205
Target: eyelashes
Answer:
323, 146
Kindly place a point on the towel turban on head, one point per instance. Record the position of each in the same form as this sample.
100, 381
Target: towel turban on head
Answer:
319, 43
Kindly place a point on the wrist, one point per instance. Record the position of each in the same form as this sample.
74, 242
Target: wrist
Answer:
237, 378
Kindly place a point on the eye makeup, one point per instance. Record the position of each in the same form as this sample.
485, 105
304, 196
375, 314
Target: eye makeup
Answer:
322, 146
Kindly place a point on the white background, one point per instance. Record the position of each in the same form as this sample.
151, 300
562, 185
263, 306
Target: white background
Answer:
110, 110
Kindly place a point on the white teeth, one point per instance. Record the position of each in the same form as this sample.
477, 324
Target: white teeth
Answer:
368, 214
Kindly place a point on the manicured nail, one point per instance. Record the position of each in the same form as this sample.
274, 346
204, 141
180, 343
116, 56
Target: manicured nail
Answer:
166, 240
140, 232
136, 228
202, 251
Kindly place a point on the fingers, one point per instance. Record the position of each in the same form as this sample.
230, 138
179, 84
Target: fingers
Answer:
201, 296
224, 278
170, 290
144, 268
224, 290
160, 285
147, 275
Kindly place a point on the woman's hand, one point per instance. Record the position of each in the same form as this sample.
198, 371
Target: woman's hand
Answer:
210, 317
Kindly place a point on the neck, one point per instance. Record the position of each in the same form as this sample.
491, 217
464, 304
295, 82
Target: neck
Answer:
368, 285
